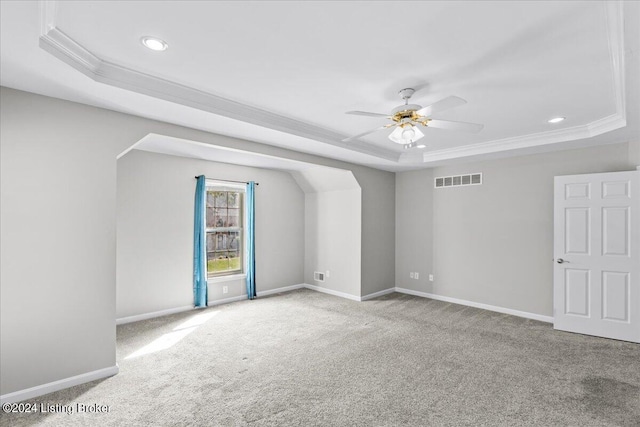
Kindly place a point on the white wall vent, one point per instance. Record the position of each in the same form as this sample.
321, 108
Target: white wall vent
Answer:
318, 276
458, 180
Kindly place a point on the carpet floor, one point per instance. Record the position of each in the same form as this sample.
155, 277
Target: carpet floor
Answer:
304, 358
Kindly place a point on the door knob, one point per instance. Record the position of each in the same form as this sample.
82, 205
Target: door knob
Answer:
560, 261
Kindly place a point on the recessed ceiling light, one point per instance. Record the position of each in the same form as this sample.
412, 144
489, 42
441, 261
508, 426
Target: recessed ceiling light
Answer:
556, 120
421, 146
154, 43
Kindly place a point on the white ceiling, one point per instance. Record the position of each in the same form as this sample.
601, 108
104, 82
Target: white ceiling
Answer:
172, 146
310, 177
284, 73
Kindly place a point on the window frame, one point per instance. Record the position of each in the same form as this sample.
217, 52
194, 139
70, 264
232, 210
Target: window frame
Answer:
213, 185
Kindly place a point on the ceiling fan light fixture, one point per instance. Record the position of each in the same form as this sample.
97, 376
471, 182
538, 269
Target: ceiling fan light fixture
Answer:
405, 134
406, 118
556, 120
154, 43
413, 145
408, 133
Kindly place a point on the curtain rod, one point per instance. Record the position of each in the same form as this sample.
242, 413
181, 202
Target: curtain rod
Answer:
228, 180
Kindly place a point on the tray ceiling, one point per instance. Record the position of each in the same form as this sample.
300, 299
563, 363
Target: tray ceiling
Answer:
284, 73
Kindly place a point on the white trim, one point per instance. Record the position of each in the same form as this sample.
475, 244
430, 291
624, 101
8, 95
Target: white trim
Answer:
525, 314
212, 303
222, 279
597, 127
48, 11
279, 290
377, 294
221, 183
132, 147
615, 34
153, 314
332, 292
47, 388
60, 45
284, 163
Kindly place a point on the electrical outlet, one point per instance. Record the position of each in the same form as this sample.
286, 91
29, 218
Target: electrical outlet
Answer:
225, 289
431, 277
411, 275
328, 273
417, 275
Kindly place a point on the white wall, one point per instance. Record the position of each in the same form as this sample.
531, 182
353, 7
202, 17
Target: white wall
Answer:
155, 231
333, 228
492, 243
58, 199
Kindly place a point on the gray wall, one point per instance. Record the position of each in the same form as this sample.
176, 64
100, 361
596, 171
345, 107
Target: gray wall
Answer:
634, 153
58, 205
493, 243
414, 231
57, 210
155, 231
378, 229
332, 239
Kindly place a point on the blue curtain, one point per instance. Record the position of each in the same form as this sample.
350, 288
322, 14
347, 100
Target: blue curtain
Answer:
251, 240
200, 290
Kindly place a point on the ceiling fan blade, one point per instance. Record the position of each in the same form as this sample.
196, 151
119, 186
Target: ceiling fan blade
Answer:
366, 113
443, 104
351, 138
449, 125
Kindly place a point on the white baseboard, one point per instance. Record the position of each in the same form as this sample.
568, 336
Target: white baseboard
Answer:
497, 309
43, 389
332, 292
280, 290
377, 294
145, 316
258, 293
212, 303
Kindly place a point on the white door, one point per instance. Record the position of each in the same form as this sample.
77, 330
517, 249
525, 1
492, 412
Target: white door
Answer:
597, 255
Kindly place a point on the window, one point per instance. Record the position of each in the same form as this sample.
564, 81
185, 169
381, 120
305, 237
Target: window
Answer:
225, 220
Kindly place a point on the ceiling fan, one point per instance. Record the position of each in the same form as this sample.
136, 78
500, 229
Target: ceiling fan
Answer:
407, 117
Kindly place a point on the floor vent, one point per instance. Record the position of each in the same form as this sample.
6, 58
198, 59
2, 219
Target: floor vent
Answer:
318, 276
458, 180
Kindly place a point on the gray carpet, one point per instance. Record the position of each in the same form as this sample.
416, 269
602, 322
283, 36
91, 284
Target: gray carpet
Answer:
310, 359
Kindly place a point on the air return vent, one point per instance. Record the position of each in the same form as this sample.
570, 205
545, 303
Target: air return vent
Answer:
458, 180
318, 276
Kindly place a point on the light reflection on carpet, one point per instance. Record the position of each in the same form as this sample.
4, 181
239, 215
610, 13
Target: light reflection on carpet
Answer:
172, 338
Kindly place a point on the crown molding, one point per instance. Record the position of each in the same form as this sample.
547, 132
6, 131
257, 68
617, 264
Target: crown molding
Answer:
615, 35
48, 11
597, 127
60, 45
614, 16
